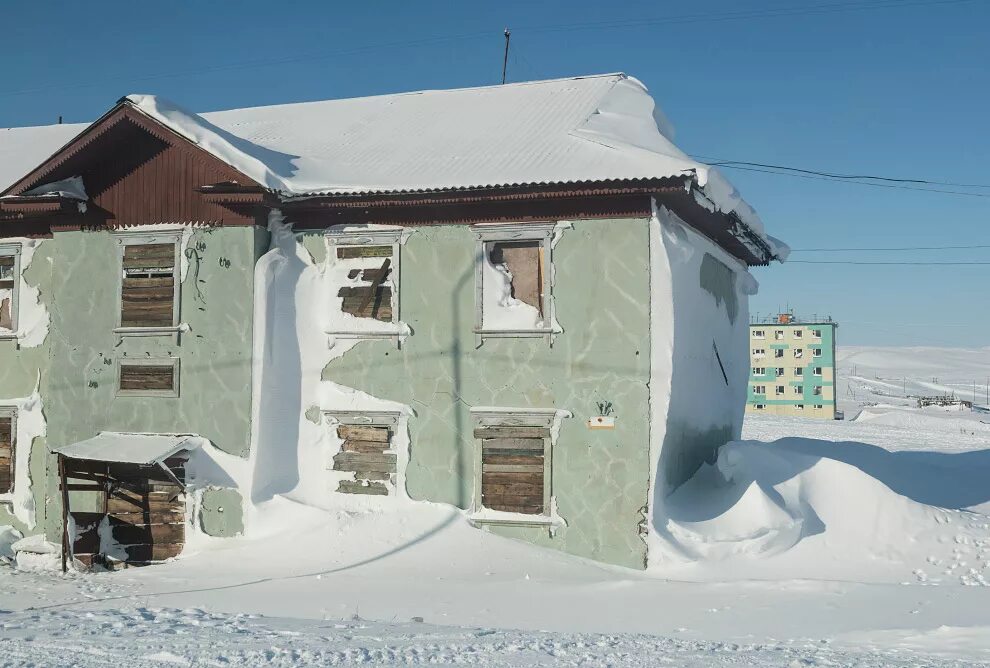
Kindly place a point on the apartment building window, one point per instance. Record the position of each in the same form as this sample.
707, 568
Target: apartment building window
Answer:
797, 389
780, 391
513, 280
759, 352
778, 334
799, 407
818, 406
149, 285
816, 333
780, 371
798, 333
760, 407
818, 371
759, 334
370, 259
515, 451
817, 390
8, 442
759, 389
778, 353
759, 370
798, 353
816, 352
10, 271
148, 377
798, 371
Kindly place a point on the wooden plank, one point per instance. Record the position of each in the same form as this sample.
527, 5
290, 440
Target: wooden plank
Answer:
512, 478
355, 487
154, 534
365, 458
513, 443
369, 275
147, 377
369, 447
512, 468
158, 552
119, 504
512, 499
374, 475
511, 432
6, 260
352, 252
362, 433
499, 457
157, 516
366, 464
149, 256
510, 489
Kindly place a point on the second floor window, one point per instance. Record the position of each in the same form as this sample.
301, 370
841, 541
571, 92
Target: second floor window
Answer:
7, 438
149, 287
8, 288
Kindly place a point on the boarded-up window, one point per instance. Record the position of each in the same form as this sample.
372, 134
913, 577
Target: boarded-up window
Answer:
6, 453
8, 282
151, 378
523, 260
513, 468
372, 274
366, 451
147, 297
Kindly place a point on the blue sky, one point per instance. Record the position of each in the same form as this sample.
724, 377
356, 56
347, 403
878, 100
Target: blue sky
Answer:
901, 89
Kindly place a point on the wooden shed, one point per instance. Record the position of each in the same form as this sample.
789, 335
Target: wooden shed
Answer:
123, 498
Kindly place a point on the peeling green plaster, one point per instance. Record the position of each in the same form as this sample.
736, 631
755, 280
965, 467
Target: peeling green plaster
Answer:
221, 512
600, 478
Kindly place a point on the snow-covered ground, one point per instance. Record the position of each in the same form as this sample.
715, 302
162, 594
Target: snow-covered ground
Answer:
811, 543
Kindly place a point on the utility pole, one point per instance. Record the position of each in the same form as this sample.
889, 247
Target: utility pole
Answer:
505, 58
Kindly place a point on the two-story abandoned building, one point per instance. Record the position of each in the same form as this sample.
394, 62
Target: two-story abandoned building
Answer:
520, 300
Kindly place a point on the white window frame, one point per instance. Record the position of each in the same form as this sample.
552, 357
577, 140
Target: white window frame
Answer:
816, 352
797, 333
817, 391
13, 250
799, 371
819, 406
759, 352
759, 371
816, 333
798, 353
760, 407
797, 389
778, 353
760, 389
778, 335
143, 238
799, 407
778, 371
490, 233
149, 361
817, 371
395, 238
516, 417
779, 391
8, 410
759, 334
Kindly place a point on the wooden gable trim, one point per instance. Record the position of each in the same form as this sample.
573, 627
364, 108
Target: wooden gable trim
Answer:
123, 111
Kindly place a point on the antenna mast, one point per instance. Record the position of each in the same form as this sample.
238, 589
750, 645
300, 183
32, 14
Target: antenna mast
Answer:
505, 58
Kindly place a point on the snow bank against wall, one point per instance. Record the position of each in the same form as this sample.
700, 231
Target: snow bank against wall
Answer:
791, 510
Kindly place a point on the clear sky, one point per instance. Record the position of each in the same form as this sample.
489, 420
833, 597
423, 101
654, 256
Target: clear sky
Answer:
897, 88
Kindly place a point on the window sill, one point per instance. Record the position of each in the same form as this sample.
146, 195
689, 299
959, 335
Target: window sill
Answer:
148, 331
501, 518
517, 333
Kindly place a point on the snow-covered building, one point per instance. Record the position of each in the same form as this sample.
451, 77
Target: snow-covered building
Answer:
522, 300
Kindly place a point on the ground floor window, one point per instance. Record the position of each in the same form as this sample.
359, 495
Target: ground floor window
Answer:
367, 451
7, 442
514, 464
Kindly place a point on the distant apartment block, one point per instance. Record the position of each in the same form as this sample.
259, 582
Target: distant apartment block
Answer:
792, 366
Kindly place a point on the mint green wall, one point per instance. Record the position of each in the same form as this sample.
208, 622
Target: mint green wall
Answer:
600, 478
19, 370
215, 354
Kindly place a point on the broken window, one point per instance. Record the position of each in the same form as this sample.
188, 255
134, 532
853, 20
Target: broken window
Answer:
515, 453
9, 272
148, 377
365, 272
149, 288
513, 280
367, 452
8, 439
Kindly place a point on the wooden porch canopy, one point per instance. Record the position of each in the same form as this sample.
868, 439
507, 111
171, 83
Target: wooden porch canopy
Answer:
133, 463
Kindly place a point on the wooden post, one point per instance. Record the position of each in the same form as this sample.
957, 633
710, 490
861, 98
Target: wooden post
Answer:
65, 513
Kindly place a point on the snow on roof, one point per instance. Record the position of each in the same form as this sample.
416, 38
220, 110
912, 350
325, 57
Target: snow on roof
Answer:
592, 128
112, 446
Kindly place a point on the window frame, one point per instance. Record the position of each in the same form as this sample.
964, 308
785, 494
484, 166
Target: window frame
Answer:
780, 390
759, 334
760, 407
391, 420
145, 238
10, 411
514, 417
797, 333
13, 250
344, 238
760, 389
174, 362
542, 232
799, 371
818, 371
759, 353
816, 333
818, 391
778, 353
816, 352
759, 371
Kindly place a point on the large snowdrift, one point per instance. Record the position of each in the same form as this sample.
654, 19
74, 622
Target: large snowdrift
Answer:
788, 510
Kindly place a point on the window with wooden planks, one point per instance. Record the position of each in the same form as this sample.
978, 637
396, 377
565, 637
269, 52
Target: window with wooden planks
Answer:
367, 452
513, 281
514, 471
370, 296
9, 273
148, 287
148, 377
8, 438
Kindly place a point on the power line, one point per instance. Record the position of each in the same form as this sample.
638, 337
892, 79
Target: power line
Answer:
884, 263
901, 248
721, 162
859, 183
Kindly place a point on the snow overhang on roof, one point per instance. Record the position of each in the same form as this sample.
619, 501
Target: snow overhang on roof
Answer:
125, 448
